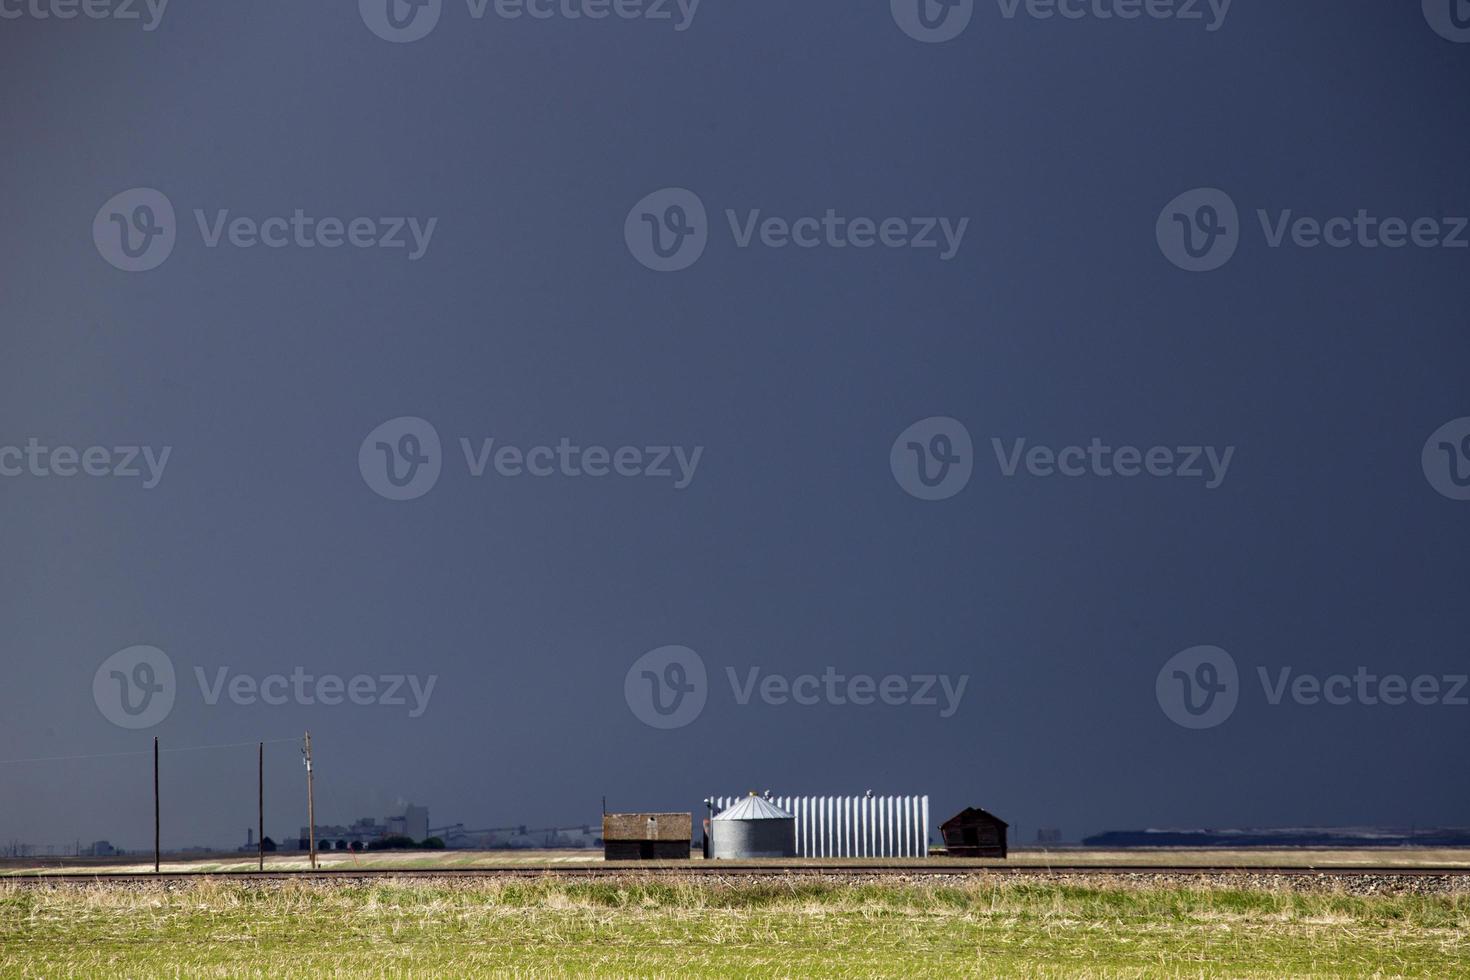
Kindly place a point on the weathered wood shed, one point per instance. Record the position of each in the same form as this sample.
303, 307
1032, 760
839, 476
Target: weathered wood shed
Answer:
974, 833
647, 836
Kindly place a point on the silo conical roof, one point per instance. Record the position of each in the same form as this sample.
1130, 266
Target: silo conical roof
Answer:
753, 808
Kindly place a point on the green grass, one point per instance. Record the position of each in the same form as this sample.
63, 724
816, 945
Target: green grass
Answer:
745, 927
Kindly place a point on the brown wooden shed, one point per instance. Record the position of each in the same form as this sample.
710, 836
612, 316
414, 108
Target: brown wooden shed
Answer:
647, 836
974, 833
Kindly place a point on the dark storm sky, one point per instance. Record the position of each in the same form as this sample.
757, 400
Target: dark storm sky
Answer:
793, 548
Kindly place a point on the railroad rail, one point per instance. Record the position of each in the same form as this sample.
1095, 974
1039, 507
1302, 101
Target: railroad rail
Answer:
929, 869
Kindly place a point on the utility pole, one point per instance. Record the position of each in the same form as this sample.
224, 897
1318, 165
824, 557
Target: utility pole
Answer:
310, 803
155, 804
260, 801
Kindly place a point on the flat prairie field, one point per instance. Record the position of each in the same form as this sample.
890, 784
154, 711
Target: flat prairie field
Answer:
639, 926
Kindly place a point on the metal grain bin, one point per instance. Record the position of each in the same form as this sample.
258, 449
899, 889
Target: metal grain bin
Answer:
752, 828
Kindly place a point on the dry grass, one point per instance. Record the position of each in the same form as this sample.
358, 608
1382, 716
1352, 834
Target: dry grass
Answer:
637, 926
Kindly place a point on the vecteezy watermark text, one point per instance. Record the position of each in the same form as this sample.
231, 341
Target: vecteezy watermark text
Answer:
669, 687
569, 459
304, 688
1363, 687
137, 230
1099, 459
1201, 687
1200, 230
669, 230
402, 459
403, 21
936, 21
123, 462
302, 230
934, 458
832, 687
137, 688
147, 12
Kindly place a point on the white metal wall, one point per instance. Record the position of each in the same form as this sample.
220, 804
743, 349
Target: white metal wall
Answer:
854, 826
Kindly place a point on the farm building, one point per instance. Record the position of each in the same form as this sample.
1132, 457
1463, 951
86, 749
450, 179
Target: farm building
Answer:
647, 836
974, 833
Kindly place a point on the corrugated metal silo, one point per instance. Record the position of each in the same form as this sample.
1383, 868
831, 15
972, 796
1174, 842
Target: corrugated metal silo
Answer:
753, 828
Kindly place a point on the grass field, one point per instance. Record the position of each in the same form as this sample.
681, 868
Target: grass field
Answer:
722, 927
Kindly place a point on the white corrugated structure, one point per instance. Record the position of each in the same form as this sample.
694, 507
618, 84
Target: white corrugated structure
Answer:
853, 826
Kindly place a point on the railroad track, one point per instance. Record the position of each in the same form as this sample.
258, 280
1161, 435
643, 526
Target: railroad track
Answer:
932, 869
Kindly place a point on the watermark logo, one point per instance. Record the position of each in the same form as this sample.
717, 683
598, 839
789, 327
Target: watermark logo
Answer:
401, 459
400, 21
135, 688
1446, 459
1449, 18
135, 230
933, 458
933, 21
1199, 687
668, 230
1199, 230
667, 688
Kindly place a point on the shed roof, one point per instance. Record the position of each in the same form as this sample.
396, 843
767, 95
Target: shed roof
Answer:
646, 826
973, 813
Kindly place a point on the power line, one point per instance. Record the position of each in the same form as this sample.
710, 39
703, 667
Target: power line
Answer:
117, 755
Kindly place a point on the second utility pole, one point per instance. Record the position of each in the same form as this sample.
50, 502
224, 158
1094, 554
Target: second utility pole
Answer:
310, 803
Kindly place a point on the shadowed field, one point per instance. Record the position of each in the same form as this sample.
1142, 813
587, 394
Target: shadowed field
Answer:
722, 926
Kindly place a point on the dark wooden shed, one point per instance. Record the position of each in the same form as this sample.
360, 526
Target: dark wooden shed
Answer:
974, 833
647, 836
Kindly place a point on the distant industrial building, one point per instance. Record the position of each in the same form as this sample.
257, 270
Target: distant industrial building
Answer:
413, 823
